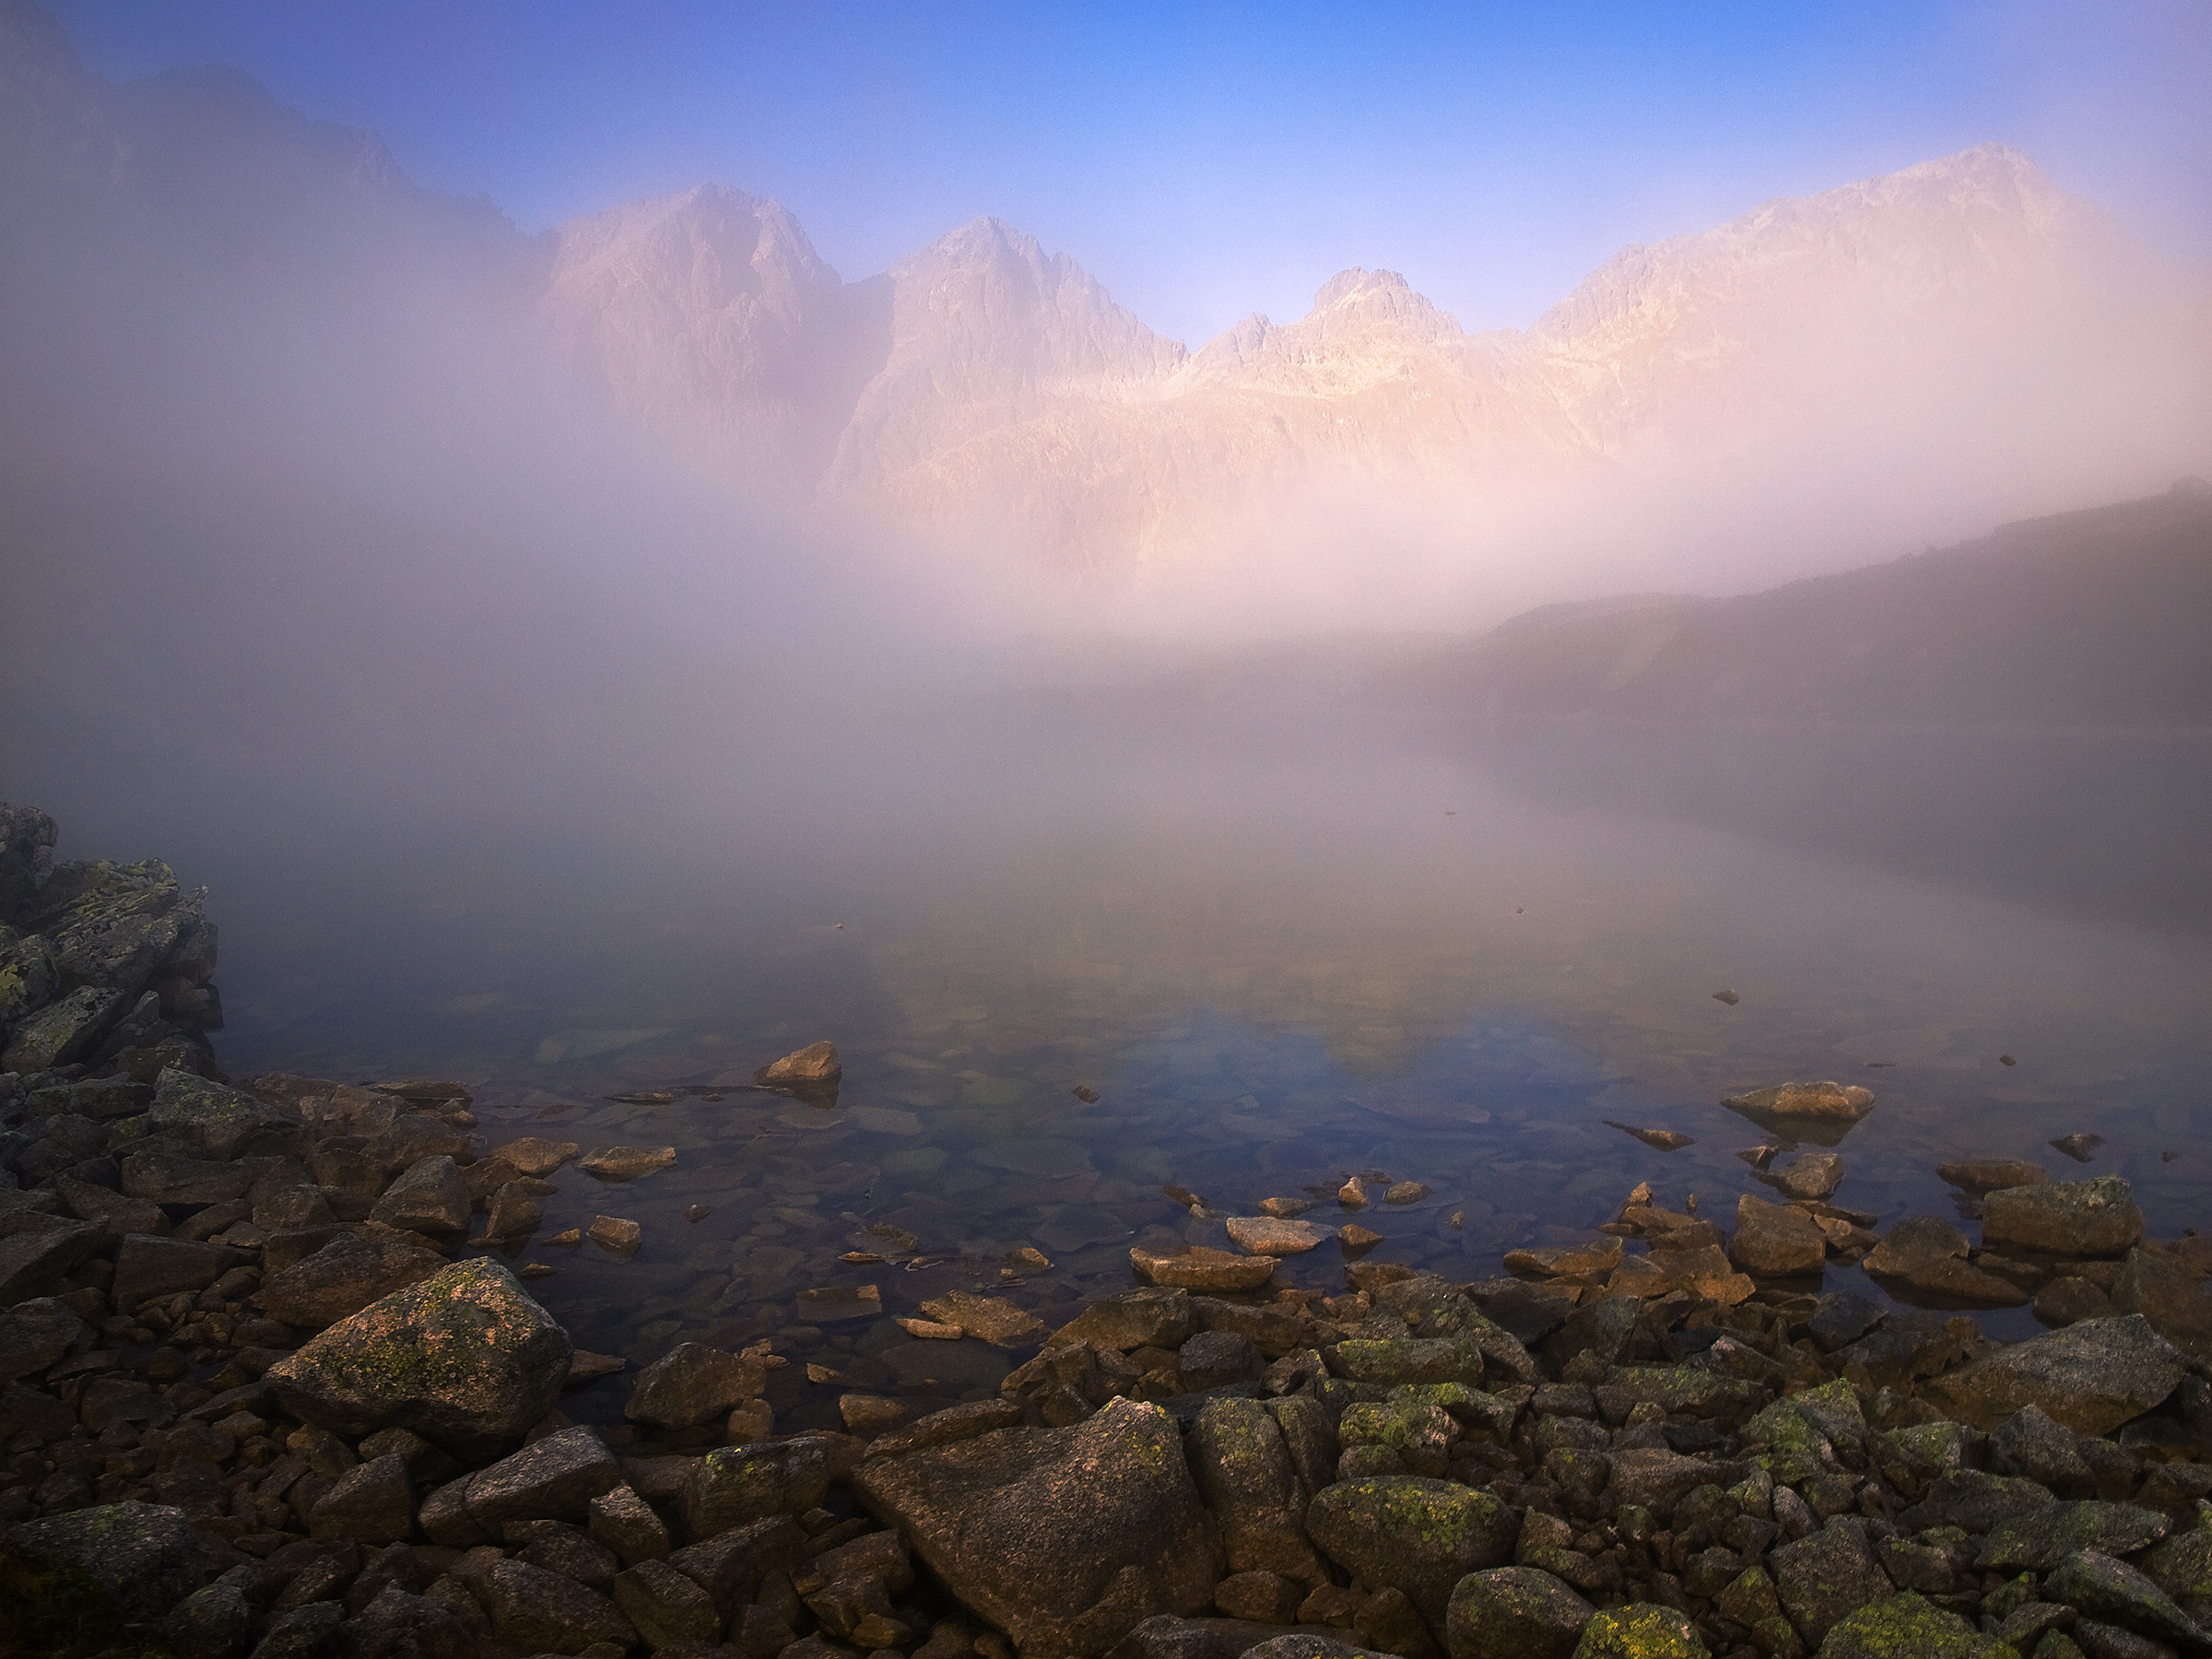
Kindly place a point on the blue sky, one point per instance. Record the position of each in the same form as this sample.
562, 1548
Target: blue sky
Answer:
1209, 161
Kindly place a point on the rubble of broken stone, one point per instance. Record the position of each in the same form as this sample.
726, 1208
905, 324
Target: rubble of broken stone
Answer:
253, 1407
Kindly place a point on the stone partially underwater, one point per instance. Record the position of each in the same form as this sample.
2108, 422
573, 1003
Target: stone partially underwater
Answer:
257, 1403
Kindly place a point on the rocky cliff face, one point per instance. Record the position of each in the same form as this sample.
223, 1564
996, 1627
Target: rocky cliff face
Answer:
988, 390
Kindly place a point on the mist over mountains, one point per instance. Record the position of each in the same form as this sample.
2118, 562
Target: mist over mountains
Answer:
273, 416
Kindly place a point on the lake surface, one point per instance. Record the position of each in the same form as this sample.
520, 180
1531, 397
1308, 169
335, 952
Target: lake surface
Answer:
1282, 946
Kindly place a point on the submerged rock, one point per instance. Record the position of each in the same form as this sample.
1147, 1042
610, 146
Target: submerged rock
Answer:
626, 1163
1992, 1174
1267, 1235
465, 1359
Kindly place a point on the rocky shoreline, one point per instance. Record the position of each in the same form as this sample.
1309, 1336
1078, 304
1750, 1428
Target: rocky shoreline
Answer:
259, 1398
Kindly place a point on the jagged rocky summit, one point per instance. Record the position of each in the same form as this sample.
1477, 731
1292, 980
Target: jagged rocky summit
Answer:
259, 1400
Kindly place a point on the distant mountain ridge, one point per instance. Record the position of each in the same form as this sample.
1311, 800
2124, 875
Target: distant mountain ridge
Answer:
1938, 346
2092, 617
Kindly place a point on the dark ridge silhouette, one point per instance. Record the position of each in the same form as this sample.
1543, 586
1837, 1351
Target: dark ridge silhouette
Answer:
2097, 617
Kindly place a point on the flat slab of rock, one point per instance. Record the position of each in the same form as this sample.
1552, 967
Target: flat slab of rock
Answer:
35, 1250
1835, 1102
535, 1155
1160, 1317
1927, 1255
466, 1359
2039, 1540
33, 1334
626, 1163
1199, 1268
1267, 1235
991, 1319
2092, 1377
1992, 1174
2066, 1217
1776, 1241
1065, 1538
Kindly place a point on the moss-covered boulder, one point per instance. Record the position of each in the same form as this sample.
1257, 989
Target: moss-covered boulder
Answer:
1421, 1536
1393, 1361
2117, 1593
2039, 1540
1248, 1474
2181, 1566
466, 1359
1640, 1631
1909, 1626
1064, 1538
143, 1557
1514, 1612
2093, 1376
222, 1122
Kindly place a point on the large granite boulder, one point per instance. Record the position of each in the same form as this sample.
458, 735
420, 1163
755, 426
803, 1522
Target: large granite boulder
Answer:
37, 1249
63, 1032
428, 1197
465, 1359
222, 1122
147, 1556
1776, 1241
1420, 1536
2066, 1217
1909, 1625
345, 1275
1065, 1538
2093, 1376
149, 1265
1924, 1259
1514, 1612
1250, 1482
692, 1384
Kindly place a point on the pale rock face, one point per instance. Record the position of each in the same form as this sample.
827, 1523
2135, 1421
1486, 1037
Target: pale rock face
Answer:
982, 390
711, 312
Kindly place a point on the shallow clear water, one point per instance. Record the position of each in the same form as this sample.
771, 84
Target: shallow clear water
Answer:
1281, 950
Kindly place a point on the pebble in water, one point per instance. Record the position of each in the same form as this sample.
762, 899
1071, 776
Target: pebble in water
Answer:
1730, 998
2080, 1147
1352, 1195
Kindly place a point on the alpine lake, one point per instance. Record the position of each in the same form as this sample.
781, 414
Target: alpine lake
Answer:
1278, 953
